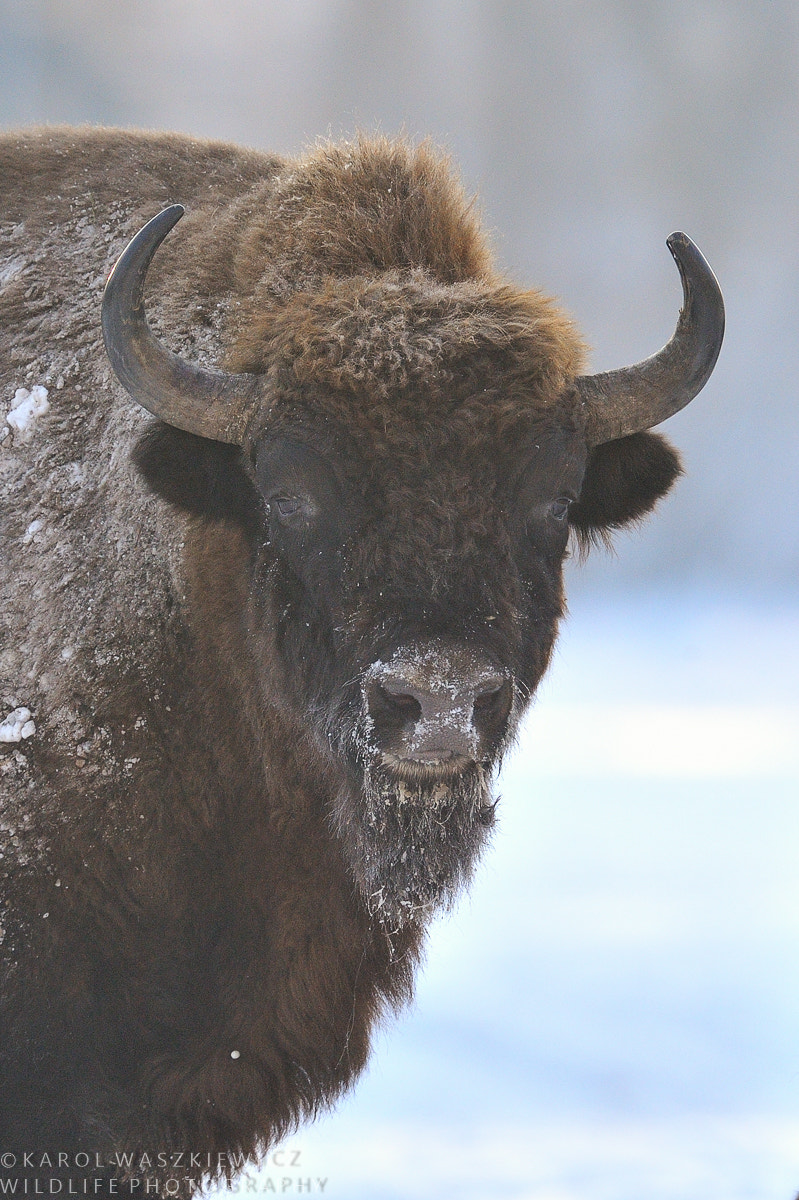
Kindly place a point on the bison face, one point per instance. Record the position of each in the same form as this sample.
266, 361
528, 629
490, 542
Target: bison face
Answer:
414, 587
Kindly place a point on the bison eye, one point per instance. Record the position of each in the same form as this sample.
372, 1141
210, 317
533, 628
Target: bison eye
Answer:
559, 509
294, 509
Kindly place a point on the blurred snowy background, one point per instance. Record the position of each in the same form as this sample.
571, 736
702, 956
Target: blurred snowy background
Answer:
613, 1012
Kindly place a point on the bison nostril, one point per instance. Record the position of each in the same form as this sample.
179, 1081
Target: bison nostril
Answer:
382, 701
487, 698
403, 703
492, 704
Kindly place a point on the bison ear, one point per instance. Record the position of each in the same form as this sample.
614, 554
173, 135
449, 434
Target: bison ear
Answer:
623, 481
199, 476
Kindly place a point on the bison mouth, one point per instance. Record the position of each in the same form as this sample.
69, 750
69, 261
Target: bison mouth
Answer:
430, 723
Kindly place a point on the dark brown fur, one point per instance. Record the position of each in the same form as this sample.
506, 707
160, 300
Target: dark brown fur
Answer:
185, 834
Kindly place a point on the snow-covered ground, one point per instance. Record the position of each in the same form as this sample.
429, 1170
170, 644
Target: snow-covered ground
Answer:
613, 1011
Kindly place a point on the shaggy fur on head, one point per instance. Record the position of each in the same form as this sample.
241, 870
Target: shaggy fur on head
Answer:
215, 864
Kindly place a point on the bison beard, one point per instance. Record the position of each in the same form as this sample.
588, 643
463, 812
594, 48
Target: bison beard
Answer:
412, 839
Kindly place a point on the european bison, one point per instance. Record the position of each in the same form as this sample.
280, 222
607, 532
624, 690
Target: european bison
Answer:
262, 655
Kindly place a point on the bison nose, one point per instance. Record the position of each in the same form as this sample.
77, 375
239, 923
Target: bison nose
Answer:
436, 706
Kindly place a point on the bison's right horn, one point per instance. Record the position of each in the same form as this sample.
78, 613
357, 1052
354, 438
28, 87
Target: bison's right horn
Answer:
632, 399
209, 403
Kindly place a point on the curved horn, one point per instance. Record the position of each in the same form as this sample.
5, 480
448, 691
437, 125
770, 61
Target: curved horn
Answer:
209, 403
632, 399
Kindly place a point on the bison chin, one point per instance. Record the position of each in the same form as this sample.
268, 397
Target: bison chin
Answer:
411, 838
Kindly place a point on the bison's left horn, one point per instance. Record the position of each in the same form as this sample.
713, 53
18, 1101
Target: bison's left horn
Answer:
209, 403
618, 403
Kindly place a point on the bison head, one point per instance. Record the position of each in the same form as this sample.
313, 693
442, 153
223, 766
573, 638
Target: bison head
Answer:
408, 454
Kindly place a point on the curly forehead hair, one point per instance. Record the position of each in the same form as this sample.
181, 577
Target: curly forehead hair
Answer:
311, 258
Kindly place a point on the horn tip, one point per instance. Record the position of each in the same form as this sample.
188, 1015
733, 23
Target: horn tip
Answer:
680, 244
168, 218
690, 259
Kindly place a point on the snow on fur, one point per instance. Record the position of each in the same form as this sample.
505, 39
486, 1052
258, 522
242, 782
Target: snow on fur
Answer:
17, 725
26, 408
